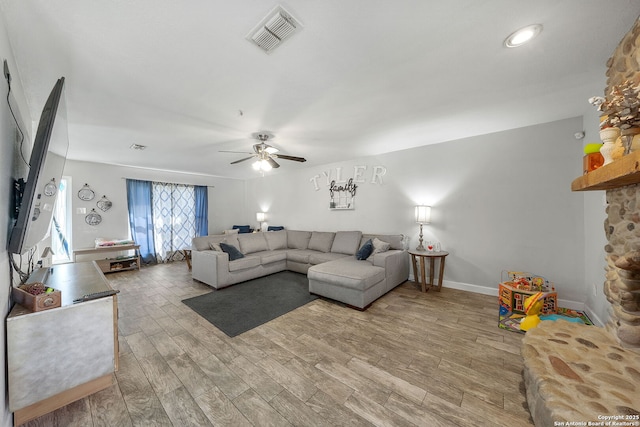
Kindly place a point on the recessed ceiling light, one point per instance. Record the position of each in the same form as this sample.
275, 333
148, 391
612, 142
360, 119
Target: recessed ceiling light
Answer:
523, 35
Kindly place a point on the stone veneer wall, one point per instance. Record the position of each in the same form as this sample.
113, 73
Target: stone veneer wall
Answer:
583, 375
624, 64
622, 226
622, 284
578, 375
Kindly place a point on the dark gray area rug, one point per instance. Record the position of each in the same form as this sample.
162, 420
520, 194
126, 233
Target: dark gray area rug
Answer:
239, 308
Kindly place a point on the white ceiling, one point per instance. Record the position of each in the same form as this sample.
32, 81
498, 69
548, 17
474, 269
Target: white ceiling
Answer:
362, 77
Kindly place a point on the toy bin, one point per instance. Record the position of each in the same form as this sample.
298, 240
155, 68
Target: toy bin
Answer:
514, 289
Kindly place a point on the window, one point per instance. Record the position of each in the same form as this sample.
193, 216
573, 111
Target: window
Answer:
164, 217
61, 223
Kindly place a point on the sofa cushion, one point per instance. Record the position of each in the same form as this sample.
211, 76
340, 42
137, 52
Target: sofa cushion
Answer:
244, 263
233, 252
394, 239
298, 239
231, 239
215, 246
320, 257
365, 251
321, 241
252, 242
347, 272
203, 243
346, 242
299, 255
267, 257
276, 240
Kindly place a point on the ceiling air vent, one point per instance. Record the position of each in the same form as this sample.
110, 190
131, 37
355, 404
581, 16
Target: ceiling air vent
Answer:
277, 26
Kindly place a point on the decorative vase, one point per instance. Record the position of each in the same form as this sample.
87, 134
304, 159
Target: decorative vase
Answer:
612, 148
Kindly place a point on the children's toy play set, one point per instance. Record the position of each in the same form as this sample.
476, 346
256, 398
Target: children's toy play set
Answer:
526, 299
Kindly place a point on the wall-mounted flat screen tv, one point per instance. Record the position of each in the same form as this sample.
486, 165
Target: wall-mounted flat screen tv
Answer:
46, 165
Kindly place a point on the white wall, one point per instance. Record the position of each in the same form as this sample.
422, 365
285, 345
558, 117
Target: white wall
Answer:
10, 168
226, 199
499, 202
595, 240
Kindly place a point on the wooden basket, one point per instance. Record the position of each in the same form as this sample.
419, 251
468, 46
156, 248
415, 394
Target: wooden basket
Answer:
37, 302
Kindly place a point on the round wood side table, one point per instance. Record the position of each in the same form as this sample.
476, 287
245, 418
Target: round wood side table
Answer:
421, 257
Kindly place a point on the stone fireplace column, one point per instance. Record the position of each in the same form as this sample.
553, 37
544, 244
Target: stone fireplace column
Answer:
622, 284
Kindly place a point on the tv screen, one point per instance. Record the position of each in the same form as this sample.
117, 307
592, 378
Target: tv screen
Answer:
45, 171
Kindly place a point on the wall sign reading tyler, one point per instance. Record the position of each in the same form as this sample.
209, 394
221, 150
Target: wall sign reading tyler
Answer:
377, 172
342, 191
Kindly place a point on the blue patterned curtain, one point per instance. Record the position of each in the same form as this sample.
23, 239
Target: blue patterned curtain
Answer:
167, 216
174, 218
202, 210
139, 202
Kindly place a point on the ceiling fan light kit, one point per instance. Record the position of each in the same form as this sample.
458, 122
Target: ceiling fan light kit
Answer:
265, 155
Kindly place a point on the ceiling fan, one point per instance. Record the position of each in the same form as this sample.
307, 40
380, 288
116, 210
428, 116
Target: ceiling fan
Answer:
265, 154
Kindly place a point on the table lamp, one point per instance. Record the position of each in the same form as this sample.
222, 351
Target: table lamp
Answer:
423, 216
260, 218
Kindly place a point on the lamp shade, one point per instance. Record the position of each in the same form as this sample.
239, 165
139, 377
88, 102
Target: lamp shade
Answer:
423, 214
260, 216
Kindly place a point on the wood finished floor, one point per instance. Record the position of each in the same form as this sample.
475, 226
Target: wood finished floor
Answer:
411, 359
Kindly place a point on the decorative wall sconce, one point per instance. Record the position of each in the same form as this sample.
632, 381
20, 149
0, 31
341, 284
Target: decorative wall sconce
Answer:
423, 216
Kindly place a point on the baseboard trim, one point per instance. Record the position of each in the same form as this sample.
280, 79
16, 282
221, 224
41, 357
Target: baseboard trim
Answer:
573, 305
470, 288
593, 316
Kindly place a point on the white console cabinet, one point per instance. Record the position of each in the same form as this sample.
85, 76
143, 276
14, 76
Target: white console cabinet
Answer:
60, 355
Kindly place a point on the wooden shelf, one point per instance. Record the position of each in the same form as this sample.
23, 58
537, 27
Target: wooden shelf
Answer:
619, 173
112, 265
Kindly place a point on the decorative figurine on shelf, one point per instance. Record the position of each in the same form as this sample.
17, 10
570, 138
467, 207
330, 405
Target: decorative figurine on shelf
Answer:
532, 307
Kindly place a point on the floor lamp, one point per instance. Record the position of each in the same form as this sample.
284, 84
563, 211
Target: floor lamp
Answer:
423, 216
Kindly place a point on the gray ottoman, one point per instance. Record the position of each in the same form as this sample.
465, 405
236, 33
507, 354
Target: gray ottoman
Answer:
355, 283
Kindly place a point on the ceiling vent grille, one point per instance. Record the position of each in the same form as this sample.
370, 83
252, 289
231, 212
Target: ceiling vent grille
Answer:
277, 26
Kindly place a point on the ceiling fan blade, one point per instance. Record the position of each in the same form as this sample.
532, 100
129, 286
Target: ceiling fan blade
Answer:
242, 160
237, 152
294, 158
273, 163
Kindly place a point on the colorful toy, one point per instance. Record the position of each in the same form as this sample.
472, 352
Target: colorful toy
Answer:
551, 317
532, 307
512, 299
514, 289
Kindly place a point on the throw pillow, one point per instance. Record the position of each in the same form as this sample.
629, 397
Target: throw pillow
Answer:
379, 246
233, 252
275, 228
366, 250
215, 246
234, 231
242, 228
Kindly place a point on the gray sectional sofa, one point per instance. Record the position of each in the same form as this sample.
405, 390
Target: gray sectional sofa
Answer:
328, 259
